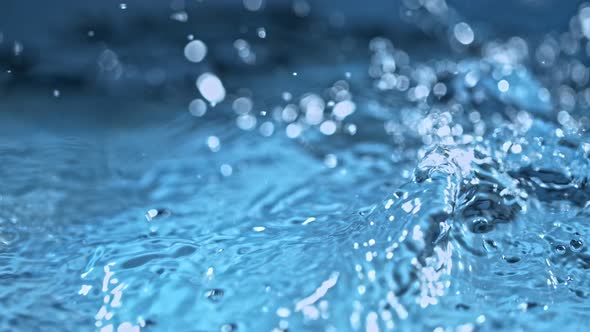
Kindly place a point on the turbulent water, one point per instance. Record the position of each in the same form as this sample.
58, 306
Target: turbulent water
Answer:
436, 180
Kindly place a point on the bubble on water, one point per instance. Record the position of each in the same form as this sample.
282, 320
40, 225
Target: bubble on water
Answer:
197, 107
481, 225
226, 170
560, 249
576, 245
343, 109
213, 143
463, 33
195, 51
211, 88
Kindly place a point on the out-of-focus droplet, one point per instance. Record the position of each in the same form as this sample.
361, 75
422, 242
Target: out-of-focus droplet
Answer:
211, 88
330, 161
213, 143
246, 122
226, 170
267, 129
242, 105
503, 85
463, 33
197, 107
253, 5
195, 51
343, 109
328, 127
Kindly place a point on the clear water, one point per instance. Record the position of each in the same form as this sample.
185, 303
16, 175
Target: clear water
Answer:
440, 186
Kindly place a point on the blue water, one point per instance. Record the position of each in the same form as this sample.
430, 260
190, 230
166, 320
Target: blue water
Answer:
351, 179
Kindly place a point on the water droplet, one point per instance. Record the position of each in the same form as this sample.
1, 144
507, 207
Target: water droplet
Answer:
226, 170
213, 143
463, 33
211, 88
246, 122
503, 85
328, 127
242, 105
195, 51
343, 109
267, 129
512, 259
293, 130
330, 161
197, 107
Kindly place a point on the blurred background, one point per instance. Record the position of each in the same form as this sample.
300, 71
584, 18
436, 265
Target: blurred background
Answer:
223, 162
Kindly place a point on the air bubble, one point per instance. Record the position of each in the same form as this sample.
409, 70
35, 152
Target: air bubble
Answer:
560, 249
214, 295
576, 245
